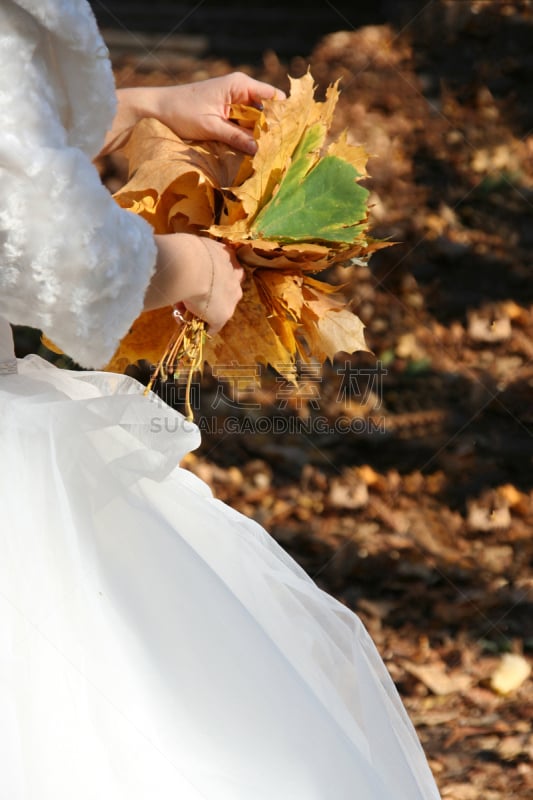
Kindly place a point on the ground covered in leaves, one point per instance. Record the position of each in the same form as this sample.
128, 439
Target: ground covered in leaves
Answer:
402, 480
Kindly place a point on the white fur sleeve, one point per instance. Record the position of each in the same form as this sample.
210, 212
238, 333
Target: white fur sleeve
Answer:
72, 263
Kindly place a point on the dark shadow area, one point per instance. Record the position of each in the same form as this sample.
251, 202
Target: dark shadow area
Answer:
485, 48
233, 30
244, 31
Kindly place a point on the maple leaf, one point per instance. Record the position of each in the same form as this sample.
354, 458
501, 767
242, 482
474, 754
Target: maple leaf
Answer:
330, 327
291, 211
279, 131
249, 337
147, 337
318, 199
175, 185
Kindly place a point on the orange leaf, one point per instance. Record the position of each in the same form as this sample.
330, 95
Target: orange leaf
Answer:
147, 338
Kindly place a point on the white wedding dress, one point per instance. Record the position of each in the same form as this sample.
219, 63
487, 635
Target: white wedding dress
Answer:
154, 643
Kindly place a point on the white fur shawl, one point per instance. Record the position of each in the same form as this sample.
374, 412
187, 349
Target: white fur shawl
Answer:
72, 263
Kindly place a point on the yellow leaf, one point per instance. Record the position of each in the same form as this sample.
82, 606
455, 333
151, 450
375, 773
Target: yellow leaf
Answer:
193, 207
157, 156
353, 154
340, 331
281, 294
329, 326
172, 183
282, 291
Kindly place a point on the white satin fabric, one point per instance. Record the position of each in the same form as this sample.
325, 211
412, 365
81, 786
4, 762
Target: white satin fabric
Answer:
154, 643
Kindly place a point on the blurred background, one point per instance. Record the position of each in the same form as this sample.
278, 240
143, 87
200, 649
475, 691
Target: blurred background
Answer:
421, 517
247, 30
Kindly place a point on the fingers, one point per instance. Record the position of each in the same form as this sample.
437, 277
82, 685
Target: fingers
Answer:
222, 311
240, 88
236, 137
219, 314
200, 110
245, 89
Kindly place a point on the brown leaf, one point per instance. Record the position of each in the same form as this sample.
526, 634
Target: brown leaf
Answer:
438, 678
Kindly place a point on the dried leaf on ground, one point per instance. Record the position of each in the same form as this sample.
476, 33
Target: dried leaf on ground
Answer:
510, 673
439, 679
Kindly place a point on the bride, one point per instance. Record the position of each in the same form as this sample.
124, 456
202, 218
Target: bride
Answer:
154, 643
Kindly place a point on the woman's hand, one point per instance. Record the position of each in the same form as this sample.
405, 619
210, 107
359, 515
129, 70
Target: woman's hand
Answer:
194, 111
199, 273
201, 110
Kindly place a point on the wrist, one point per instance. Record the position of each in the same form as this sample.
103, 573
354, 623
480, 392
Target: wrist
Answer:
127, 115
135, 103
139, 102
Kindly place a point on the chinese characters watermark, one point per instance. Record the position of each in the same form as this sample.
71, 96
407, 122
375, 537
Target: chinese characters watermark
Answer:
236, 404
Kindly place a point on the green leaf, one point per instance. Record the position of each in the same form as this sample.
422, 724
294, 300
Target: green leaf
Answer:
318, 199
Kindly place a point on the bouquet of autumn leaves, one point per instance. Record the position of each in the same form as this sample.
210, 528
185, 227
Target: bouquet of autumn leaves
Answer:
291, 211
